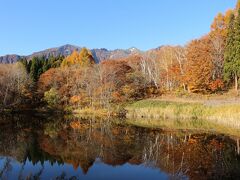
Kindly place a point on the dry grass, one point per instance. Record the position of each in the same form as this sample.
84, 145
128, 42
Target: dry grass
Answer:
225, 114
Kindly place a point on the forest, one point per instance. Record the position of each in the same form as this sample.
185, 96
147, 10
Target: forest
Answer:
208, 65
120, 90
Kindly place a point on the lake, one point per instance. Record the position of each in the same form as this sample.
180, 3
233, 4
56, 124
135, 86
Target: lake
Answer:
35, 147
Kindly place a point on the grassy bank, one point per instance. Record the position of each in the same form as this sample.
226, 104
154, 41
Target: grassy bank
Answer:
115, 111
225, 114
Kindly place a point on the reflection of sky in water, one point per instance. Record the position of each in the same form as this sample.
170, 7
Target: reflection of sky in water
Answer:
99, 170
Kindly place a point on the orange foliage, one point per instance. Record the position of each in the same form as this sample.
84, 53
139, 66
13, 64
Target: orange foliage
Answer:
75, 99
216, 85
117, 97
199, 65
115, 71
46, 80
75, 124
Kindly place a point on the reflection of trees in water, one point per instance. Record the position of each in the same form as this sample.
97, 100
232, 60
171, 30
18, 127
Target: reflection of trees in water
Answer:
18, 139
6, 167
179, 155
81, 142
63, 176
158, 152
193, 156
34, 176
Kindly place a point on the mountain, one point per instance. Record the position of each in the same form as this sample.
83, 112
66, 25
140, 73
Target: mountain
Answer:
10, 58
104, 54
59, 51
98, 54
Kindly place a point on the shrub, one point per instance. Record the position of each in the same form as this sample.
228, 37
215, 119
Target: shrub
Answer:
52, 97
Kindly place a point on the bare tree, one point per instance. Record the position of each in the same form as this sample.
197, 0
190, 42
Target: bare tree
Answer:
150, 68
218, 44
13, 83
180, 56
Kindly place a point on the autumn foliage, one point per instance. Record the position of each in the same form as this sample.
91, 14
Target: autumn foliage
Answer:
98, 86
84, 58
199, 69
206, 65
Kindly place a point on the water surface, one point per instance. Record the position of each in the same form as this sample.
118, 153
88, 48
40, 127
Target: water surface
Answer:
33, 147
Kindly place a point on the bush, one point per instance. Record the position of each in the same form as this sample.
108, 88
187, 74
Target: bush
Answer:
52, 97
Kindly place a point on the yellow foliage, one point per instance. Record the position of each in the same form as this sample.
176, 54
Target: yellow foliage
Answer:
238, 5
75, 99
127, 90
219, 25
84, 58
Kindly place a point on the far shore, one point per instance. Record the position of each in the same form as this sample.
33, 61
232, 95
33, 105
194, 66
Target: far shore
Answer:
218, 109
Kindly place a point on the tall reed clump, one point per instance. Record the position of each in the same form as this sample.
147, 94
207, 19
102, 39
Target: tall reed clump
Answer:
153, 109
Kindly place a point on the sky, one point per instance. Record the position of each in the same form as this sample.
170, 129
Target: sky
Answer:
28, 26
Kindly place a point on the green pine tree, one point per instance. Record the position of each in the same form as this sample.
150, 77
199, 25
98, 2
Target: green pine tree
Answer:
236, 59
25, 64
46, 65
36, 68
231, 59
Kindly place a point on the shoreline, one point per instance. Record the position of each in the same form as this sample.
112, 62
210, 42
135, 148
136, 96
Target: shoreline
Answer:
154, 109
164, 112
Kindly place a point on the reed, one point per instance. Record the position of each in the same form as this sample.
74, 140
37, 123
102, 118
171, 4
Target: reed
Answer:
89, 112
228, 115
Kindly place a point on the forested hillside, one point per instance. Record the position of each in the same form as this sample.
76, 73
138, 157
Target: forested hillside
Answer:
210, 64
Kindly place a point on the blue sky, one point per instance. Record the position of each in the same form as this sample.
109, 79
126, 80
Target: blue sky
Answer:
32, 25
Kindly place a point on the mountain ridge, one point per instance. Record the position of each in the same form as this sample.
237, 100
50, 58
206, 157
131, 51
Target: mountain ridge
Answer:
65, 50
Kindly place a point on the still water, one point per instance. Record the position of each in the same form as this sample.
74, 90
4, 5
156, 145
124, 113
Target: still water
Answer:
33, 147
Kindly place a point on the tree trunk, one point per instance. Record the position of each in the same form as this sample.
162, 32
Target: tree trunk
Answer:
188, 88
184, 87
236, 82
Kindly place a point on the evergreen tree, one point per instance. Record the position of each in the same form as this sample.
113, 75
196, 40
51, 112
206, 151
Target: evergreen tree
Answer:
39, 65
232, 46
56, 62
34, 69
236, 60
29, 66
25, 64
46, 65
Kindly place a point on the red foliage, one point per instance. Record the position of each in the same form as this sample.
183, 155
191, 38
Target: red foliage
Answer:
216, 85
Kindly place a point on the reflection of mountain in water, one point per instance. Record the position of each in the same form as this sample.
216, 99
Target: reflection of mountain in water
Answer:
81, 143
